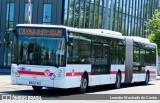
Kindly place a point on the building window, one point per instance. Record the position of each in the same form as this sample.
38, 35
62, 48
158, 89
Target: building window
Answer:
47, 14
66, 12
26, 18
10, 16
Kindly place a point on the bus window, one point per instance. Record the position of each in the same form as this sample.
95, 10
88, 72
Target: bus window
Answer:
150, 55
118, 52
136, 58
40, 51
79, 52
142, 57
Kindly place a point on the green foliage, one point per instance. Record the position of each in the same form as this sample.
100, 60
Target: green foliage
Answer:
153, 28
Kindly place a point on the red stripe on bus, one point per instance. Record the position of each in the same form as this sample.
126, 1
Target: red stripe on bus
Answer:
33, 73
115, 72
152, 72
122, 72
76, 73
68, 74
89, 73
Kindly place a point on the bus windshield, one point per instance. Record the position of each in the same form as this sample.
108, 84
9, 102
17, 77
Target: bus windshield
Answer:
39, 50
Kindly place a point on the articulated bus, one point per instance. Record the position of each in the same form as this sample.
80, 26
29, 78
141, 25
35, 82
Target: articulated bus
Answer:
65, 57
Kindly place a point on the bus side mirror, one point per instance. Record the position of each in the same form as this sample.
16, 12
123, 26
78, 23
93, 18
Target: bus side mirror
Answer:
14, 32
70, 41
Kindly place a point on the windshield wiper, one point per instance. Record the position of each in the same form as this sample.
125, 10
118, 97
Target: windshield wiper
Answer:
57, 66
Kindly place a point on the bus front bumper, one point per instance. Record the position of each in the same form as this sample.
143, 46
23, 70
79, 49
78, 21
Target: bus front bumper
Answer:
60, 83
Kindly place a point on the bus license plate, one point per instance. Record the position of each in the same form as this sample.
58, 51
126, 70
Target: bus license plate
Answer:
34, 83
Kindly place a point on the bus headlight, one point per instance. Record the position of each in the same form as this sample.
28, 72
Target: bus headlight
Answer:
53, 77
16, 73
58, 75
14, 70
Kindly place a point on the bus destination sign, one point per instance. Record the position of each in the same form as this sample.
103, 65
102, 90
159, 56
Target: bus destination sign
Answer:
40, 32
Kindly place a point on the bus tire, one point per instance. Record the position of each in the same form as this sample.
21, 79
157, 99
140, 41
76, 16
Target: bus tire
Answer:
83, 85
117, 84
147, 79
37, 88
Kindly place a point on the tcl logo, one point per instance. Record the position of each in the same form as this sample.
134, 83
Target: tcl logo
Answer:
47, 72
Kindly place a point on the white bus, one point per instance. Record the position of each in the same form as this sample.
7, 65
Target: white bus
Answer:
64, 57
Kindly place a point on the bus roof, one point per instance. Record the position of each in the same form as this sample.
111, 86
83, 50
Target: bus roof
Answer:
140, 40
41, 25
109, 32
104, 31
98, 32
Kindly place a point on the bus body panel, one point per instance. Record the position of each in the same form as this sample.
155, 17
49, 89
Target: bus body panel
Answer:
107, 78
70, 75
33, 75
44, 83
30, 74
96, 80
138, 77
129, 60
77, 69
115, 68
101, 79
152, 72
74, 73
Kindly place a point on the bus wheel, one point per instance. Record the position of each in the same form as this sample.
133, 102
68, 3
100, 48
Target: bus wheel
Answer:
37, 88
83, 85
147, 78
117, 84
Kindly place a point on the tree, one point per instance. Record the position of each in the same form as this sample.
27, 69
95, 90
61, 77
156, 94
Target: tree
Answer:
153, 28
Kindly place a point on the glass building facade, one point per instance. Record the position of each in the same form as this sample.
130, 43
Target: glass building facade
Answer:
125, 16
13, 12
